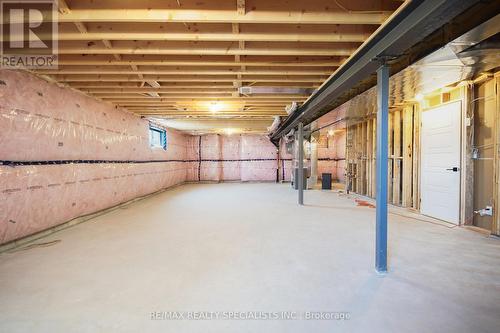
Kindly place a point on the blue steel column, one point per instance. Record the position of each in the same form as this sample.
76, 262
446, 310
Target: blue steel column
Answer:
382, 156
300, 173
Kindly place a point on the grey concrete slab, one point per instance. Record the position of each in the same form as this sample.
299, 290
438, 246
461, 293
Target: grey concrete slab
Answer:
250, 247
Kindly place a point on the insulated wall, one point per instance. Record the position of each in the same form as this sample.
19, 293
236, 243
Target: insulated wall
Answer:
332, 149
66, 155
286, 161
244, 157
329, 135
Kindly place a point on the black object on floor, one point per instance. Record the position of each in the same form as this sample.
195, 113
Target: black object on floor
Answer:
326, 181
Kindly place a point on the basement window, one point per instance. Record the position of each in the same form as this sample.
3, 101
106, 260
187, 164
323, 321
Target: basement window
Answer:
157, 137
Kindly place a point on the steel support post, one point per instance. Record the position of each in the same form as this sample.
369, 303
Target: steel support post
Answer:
382, 161
300, 173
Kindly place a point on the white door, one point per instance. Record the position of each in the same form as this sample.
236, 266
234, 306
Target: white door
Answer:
440, 162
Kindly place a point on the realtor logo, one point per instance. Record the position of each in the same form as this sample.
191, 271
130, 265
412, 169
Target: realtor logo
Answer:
28, 34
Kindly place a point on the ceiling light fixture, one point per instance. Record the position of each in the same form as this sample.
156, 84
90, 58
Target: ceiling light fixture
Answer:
419, 97
215, 107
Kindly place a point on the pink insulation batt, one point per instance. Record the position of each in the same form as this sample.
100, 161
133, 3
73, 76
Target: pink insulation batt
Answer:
234, 157
40, 121
286, 163
331, 159
259, 158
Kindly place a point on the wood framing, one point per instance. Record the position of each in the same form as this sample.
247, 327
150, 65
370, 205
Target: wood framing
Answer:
496, 195
407, 172
115, 44
403, 141
396, 158
390, 159
416, 157
220, 16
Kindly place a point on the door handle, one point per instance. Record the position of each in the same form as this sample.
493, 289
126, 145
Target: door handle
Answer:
454, 169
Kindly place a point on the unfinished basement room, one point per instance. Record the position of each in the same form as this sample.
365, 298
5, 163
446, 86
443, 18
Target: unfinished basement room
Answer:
250, 166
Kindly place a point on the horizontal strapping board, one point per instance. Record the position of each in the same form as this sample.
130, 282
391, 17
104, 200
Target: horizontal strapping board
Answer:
58, 162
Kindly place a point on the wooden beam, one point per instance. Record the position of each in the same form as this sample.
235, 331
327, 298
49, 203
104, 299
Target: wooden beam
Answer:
396, 177
101, 78
369, 157
407, 156
272, 107
165, 101
416, 157
101, 87
206, 109
334, 51
81, 27
62, 6
222, 16
214, 37
181, 72
201, 62
363, 160
64, 9
134, 67
241, 7
210, 115
390, 159
495, 225
108, 45
152, 105
241, 46
160, 91
138, 97
195, 109
154, 84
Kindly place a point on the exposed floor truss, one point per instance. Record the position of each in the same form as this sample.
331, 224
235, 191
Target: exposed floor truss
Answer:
185, 58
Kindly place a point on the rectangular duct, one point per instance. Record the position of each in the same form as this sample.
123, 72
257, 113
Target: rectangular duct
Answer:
275, 90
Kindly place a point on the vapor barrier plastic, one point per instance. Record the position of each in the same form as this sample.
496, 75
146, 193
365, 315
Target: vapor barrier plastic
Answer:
65, 155
34, 198
82, 155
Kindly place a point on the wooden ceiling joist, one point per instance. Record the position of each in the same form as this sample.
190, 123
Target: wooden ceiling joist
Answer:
214, 37
171, 58
173, 86
222, 16
90, 62
101, 78
136, 70
336, 51
137, 97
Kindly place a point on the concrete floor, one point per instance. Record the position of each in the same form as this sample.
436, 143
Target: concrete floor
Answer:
249, 247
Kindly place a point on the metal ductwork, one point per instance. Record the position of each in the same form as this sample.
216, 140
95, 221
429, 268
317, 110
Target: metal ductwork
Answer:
275, 90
